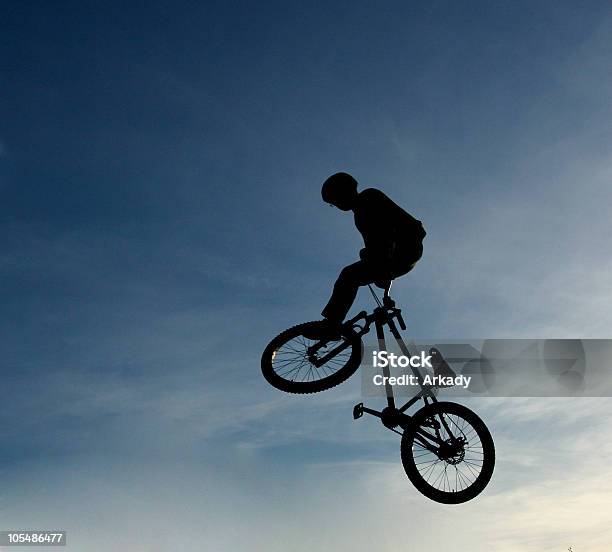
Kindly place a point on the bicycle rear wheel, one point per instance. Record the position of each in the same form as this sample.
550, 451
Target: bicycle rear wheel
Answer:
456, 470
290, 362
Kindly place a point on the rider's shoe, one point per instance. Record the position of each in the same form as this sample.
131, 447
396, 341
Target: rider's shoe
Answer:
325, 330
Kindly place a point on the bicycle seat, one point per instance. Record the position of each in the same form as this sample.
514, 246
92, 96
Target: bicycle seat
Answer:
384, 284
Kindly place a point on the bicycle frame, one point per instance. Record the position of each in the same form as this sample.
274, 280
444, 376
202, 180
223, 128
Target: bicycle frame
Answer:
382, 316
385, 315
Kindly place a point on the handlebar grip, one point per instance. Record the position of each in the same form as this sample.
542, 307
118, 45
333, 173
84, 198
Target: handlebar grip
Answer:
400, 319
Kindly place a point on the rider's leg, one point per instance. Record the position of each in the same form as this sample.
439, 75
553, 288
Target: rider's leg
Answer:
401, 264
343, 295
345, 290
350, 279
405, 260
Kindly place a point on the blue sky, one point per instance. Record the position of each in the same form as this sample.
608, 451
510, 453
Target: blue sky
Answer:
160, 171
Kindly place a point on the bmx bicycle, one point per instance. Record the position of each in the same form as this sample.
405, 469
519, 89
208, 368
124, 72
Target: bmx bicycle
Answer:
447, 451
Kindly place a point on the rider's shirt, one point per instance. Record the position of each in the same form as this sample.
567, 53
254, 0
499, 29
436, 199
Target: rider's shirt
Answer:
386, 228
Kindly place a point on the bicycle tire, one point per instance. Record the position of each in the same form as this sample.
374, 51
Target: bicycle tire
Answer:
418, 475
284, 383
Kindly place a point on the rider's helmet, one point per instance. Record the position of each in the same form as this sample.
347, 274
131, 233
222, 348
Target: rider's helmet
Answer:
340, 189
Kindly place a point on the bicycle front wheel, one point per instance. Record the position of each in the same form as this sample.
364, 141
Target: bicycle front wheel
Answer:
293, 363
448, 453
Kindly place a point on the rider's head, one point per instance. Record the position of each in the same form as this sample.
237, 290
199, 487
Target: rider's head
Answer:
340, 190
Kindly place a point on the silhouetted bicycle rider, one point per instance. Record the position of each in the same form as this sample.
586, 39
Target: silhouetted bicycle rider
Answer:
393, 242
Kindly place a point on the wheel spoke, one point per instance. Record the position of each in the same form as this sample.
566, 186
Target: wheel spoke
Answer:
294, 359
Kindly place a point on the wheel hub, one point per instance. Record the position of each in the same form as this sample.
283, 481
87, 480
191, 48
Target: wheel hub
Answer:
452, 451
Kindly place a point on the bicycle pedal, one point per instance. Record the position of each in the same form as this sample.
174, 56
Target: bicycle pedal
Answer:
357, 411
